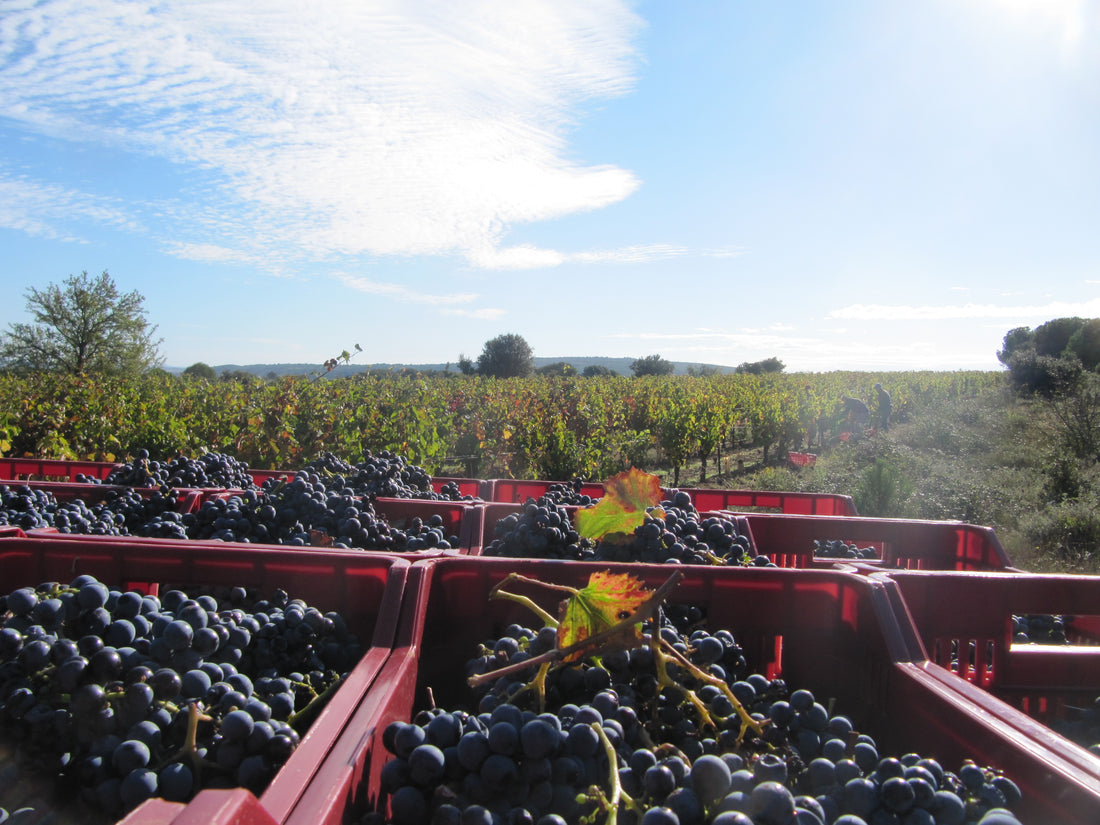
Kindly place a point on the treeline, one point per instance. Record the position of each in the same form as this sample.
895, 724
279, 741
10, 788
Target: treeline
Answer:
538, 427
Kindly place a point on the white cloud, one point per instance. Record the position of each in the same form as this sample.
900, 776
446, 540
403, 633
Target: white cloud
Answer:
209, 253
901, 312
484, 314
338, 126
47, 210
402, 293
524, 256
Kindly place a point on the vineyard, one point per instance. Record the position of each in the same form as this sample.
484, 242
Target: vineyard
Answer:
476, 427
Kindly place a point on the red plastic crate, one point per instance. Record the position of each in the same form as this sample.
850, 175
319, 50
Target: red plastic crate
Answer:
517, 491
964, 611
704, 499
462, 519
818, 504
260, 476
366, 589
801, 459
224, 807
466, 486
1025, 686
819, 629
52, 469
899, 543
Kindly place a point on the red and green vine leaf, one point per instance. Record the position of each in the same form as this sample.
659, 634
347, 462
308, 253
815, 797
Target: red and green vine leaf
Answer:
622, 508
607, 599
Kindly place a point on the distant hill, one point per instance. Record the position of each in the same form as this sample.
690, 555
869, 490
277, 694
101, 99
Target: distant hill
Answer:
619, 365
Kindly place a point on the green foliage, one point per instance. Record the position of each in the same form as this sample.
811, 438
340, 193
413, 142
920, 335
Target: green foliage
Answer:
597, 370
85, 326
1053, 357
1077, 412
651, 365
1085, 344
881, 490
200, 372
506, 356
772, 364
1068, 535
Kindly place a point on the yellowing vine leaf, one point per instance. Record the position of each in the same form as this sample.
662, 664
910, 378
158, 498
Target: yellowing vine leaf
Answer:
607, 599
622, 508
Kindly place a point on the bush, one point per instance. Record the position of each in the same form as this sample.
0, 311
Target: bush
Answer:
1066, 535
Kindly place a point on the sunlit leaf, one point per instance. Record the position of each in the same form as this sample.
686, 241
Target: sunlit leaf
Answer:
607, 599
623, 506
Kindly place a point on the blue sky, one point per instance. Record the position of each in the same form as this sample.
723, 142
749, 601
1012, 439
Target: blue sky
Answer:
842, 184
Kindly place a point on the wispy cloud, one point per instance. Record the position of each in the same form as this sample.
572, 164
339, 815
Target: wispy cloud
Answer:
402, 293
530, 257
483, 314
47, 210
901, 312
383, 128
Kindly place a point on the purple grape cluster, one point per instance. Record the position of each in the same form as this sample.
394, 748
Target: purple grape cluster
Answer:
128, 696
211, 469
841, 549
120, 512
677, 534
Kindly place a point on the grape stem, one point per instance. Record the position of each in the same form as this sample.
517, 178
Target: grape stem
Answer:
747, 721
526, 601
302, 719
189, 749
644, 611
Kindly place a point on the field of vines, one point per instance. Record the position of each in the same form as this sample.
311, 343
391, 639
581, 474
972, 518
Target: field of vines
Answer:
541, 427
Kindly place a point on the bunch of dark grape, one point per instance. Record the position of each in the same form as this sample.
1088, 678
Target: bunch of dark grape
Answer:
382, 475
311, 510
569, 493
120, 513
543, 529
128, 696
841, 549
1039, 628
679, 750
677, 535
209, 470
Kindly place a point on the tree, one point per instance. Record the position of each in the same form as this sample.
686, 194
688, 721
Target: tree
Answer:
466, 366
597, 370
651, 365
1085, 344
84, 326
772, 364
561, 368
1052, 357
202, 371
506, 356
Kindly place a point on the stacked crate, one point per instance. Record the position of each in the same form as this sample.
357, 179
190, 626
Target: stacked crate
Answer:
914, 641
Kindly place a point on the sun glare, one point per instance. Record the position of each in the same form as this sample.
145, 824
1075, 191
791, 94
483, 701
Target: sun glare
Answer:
1067, 20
